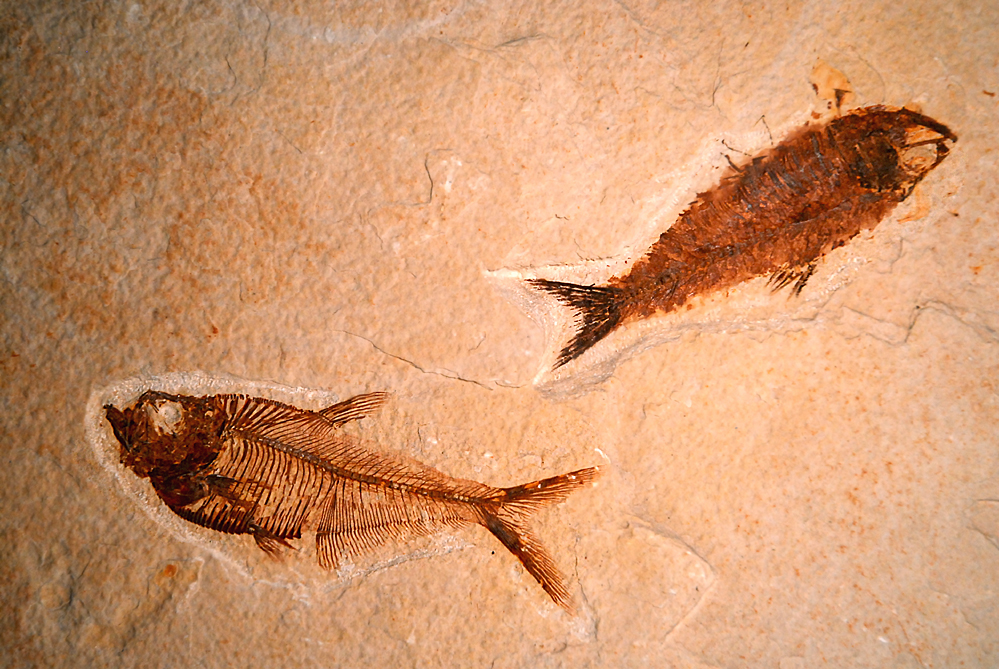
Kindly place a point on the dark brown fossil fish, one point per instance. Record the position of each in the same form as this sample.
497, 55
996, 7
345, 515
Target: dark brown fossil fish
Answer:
777, 215
247, 465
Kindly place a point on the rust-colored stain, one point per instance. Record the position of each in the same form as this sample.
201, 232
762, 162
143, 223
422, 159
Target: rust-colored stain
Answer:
775, 216
247, 465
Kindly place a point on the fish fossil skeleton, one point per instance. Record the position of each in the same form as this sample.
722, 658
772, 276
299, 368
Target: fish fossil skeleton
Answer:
248, 465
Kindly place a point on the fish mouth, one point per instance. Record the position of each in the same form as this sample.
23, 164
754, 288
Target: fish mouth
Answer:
926, 145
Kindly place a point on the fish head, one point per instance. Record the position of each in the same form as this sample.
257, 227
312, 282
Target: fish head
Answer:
890, 150
920, 142
162, 432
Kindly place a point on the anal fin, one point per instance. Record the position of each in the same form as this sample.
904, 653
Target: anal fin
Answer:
267, 541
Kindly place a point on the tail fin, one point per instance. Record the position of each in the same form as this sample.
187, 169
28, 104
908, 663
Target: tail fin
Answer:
509, 523
599, 306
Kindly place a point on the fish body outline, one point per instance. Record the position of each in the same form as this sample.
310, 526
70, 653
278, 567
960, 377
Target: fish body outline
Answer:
239, 464
777, 215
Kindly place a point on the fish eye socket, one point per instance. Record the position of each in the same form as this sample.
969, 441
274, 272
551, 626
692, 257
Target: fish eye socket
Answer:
165, 416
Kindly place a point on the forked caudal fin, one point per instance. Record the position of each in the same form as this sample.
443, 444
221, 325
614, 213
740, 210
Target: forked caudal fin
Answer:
598, 306
509, 524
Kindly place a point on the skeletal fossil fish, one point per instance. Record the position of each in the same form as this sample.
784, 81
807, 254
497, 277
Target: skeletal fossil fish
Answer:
775, 216
248, 465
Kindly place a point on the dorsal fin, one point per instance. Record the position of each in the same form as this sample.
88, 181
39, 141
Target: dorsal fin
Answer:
355, 408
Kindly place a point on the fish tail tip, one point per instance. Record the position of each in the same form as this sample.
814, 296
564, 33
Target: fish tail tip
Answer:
565, 601
509, 523
564, 358
597, 312
587, 475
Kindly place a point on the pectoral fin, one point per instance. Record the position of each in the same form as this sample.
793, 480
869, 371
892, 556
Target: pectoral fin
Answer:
798, 275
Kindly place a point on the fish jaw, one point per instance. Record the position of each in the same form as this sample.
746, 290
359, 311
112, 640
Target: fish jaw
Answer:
924, 148
920, 142
890, 150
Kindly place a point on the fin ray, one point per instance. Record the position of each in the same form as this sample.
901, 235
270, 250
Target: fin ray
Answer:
509, 524
354, 408
598, 307
798, 275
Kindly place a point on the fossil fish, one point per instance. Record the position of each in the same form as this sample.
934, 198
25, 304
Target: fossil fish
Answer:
248, 465
775, 216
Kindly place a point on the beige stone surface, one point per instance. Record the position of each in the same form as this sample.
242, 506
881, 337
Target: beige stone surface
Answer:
278, 197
